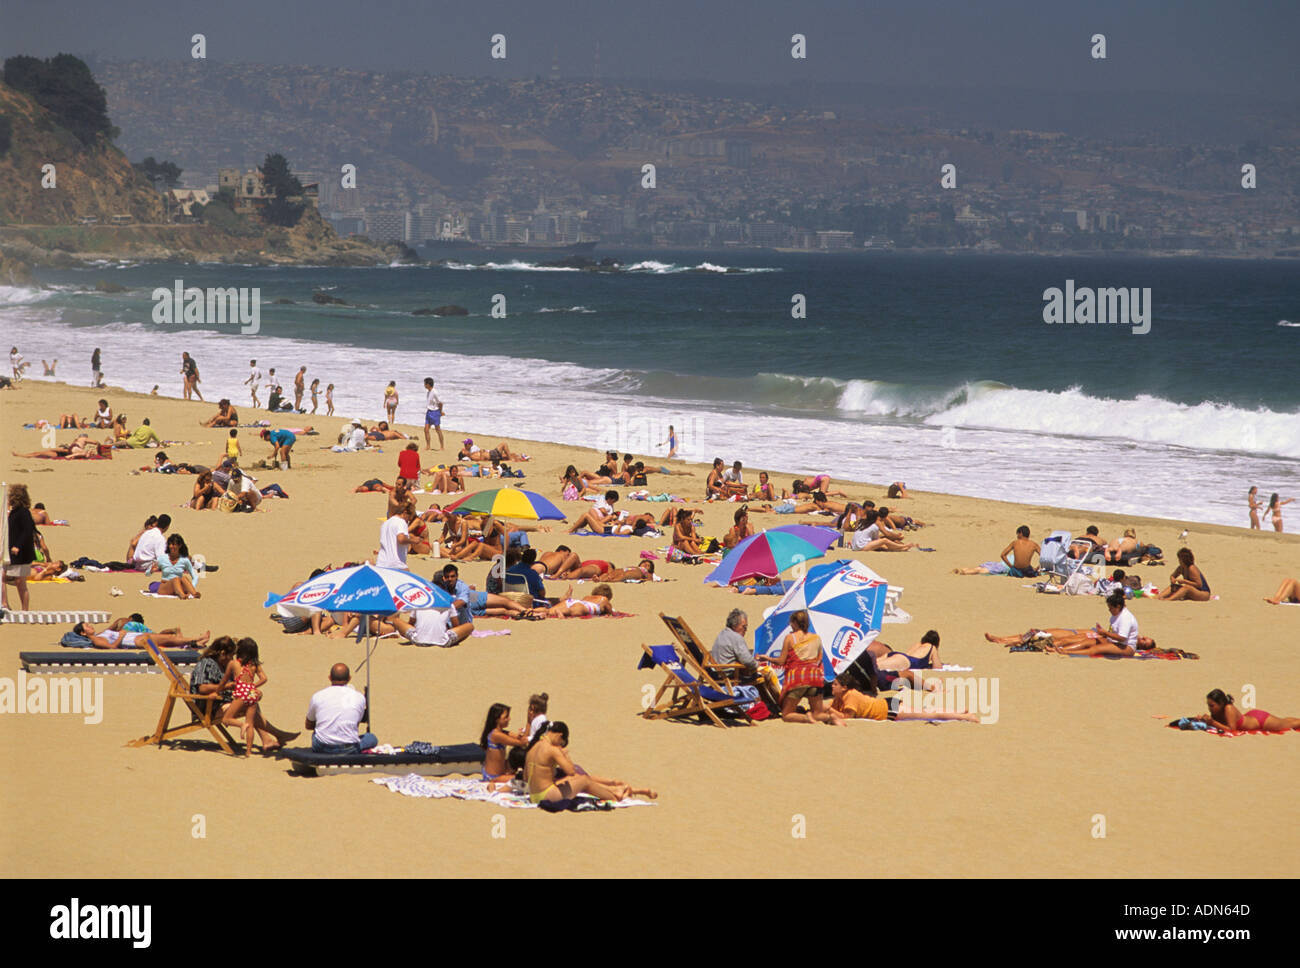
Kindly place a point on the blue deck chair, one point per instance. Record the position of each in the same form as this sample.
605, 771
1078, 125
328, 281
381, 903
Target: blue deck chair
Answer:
1055, 565
689, 690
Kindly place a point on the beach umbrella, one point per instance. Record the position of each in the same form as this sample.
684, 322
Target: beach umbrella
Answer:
771, 552
366, 589
507, 502
845, 601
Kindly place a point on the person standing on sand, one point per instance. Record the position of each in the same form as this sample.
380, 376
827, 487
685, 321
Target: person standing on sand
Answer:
390, 401
329, 400
270, 385
299, 387
432, 414
22, 546
96, 374
254, 378
1275, 509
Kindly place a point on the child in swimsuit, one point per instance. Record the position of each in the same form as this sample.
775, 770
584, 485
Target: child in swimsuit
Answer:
247, 676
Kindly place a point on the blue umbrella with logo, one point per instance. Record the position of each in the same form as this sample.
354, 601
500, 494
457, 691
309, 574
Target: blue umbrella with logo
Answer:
845, 602
367, 590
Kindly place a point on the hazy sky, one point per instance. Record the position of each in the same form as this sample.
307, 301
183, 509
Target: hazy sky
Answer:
1178, 45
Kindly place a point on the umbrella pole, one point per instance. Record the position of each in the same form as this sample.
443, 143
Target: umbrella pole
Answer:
370, 726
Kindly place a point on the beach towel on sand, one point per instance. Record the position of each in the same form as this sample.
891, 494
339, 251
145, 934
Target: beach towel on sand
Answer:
1191, 724
473, 788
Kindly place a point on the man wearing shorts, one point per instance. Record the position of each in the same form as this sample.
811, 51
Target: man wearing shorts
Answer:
432, 414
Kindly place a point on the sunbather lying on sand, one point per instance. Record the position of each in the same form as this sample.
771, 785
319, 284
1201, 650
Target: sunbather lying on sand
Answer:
1225, 715
1064, 639
111, 638
381, 431
599, 602
1288, 591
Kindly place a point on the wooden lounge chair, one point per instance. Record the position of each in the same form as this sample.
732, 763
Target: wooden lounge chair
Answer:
689, 690
697, 651
203, 709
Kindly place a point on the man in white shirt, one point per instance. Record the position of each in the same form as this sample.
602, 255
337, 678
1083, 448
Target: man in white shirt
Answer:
354, 438
432, 414
395, 538
335, 714
254, 380
432, 626
152, 544
244, 490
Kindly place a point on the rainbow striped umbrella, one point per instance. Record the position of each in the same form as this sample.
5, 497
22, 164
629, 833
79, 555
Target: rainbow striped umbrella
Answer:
508, 502
771, 552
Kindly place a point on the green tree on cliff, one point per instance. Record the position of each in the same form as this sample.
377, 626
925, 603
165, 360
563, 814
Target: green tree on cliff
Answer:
281, 185
64, 86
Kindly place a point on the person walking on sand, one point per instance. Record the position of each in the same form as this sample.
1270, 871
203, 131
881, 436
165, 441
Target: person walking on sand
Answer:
432, 414
315, 395
299, 387
254, 378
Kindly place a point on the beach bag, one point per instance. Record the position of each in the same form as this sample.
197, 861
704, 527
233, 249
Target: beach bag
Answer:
1080, 583
226, 503
570, 492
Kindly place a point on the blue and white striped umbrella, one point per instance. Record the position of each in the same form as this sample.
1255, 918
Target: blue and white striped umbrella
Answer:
845, 601
362, 588
368, 590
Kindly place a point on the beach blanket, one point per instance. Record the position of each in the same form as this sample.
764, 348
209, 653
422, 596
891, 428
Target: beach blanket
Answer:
600, 534
1192, 724
469, 788
1160, 654
483, 633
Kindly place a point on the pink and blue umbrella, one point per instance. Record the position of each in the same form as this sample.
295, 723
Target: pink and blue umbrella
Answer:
845, 602
768, 553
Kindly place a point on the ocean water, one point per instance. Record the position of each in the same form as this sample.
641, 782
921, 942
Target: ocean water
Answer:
935, 370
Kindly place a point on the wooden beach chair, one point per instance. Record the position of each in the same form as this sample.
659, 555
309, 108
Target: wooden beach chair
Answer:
689, 690
203, 709
696, 651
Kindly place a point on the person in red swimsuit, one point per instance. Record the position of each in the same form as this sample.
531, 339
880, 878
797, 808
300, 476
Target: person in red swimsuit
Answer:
1224, 715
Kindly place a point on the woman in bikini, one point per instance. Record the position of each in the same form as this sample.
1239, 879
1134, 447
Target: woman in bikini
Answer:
1186, 583
551, 775
642, 572
205, 492
496, 740
599, 602
573, 487
1120, 548
1064, 639
447, 481
1225, 715
390, 401
764, 490
1275, 509
1253, 501
923, 655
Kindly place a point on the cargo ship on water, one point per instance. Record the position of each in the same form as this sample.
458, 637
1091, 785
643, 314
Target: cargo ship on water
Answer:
465, 250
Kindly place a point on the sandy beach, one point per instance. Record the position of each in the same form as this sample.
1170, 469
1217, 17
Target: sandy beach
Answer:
1075, 738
